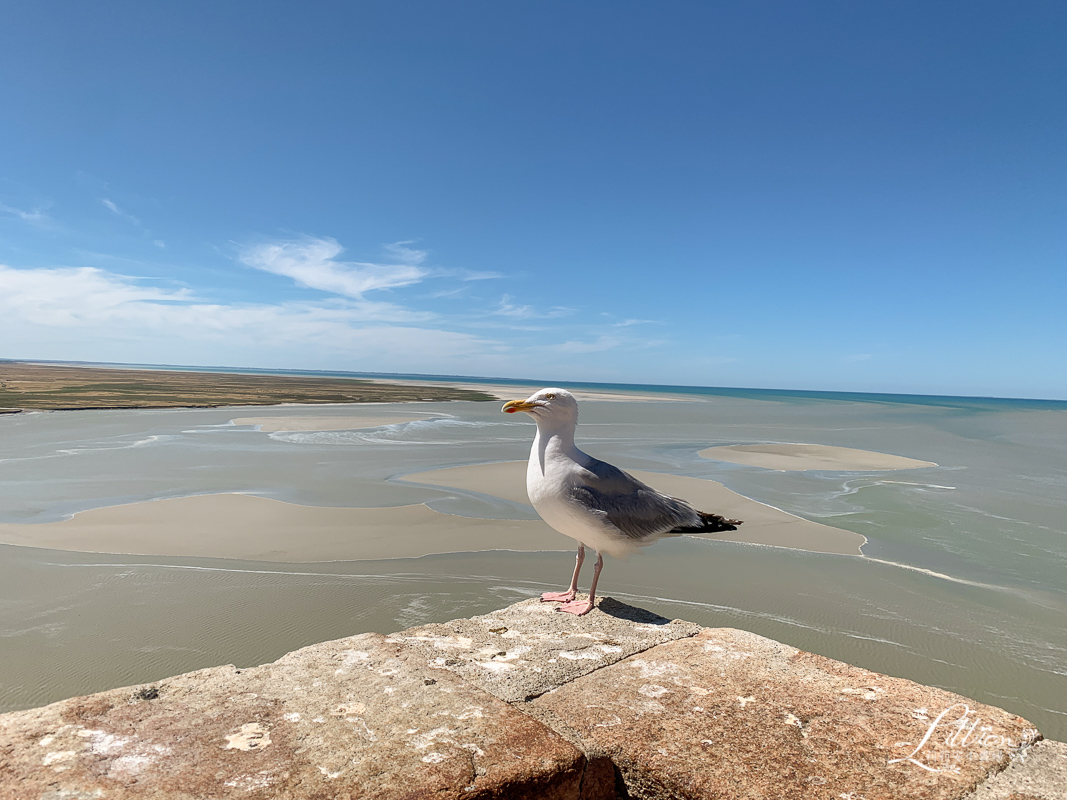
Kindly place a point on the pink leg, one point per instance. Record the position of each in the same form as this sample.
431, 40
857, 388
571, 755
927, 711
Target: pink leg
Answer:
563, 597
579, 607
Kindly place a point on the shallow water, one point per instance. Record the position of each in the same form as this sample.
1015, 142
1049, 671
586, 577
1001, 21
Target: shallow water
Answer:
964, 585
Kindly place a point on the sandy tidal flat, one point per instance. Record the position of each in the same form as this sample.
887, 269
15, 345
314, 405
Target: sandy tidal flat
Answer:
763, 524
802, 457
261, 529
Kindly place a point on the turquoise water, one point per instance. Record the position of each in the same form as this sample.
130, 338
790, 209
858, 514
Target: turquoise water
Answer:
963, 583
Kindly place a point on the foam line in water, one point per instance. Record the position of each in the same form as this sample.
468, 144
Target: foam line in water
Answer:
921, 485
941, 575
104, 446
874, 639
194, 568
398, 433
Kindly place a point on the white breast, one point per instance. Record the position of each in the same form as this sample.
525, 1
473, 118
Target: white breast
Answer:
550, 493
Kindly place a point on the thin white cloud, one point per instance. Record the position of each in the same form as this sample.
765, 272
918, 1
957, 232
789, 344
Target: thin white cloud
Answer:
159, 243
406, 255
67, 296
114, 209
476, 275
313, 263
34, 217
508, 309
457, 292
98, 315
467, 276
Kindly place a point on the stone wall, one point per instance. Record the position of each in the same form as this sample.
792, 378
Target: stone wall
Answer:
529, 703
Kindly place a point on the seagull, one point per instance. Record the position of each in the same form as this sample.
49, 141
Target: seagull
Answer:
592, 501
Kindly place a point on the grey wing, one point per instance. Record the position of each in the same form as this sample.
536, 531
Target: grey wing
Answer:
633, 507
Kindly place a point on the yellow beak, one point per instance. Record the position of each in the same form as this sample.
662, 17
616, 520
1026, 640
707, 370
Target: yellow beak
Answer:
512, 406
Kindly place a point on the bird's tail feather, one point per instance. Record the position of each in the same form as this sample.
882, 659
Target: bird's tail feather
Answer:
710, 523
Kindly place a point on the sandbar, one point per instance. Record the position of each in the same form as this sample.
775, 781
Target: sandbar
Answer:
763, 524
262, 529
303, 423
786, 457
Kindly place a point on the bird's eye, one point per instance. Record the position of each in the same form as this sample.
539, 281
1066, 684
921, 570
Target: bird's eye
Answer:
549, 396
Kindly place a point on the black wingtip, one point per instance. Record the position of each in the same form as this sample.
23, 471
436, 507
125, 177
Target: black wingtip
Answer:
711, 523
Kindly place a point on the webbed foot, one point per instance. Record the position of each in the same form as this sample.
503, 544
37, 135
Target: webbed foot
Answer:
576, 607
557, 597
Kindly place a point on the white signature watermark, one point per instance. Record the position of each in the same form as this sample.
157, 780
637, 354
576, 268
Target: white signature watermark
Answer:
964, 736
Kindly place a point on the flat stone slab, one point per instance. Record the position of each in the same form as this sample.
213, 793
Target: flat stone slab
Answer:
522, 651
729, 714
670, 709
358, 717
1040, 774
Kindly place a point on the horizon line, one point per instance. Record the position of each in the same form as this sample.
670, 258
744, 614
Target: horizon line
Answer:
815, 394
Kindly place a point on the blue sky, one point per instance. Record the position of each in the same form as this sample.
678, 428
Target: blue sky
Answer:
822, 195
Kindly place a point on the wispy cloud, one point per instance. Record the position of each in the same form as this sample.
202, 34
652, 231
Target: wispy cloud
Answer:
459, 291
404, 254
102, 313
34, 217
109, 310
467, 275
114, 209
475, 275
121, 213
858, 357
69, 296
313, 263
506, 308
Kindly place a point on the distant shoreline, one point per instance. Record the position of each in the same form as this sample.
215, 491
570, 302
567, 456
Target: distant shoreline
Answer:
36, 386
28, 386
511, 387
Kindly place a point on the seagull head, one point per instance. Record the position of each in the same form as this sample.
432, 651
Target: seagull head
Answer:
554, 406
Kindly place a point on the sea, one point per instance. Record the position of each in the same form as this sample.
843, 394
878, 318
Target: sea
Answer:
962, 583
